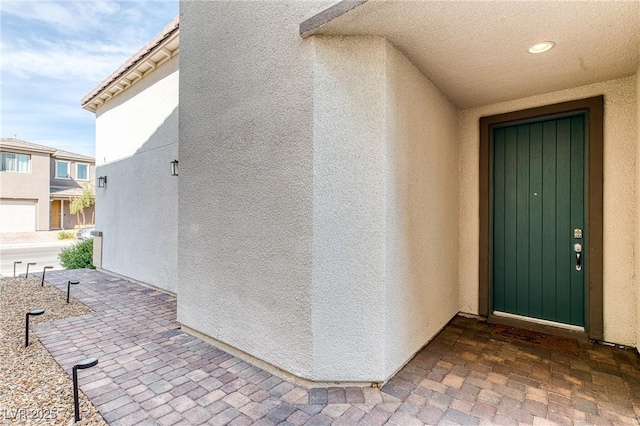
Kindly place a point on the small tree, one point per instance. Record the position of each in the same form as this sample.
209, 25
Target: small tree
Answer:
78, 204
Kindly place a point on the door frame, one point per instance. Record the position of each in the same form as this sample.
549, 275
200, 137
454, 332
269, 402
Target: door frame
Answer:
594, 110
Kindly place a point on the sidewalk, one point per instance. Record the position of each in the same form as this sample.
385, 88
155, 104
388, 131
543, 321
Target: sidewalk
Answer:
31, 237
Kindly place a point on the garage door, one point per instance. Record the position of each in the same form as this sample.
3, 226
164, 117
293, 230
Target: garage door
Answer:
17, 216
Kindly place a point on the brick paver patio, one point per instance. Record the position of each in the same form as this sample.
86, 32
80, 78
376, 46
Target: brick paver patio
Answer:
150, 372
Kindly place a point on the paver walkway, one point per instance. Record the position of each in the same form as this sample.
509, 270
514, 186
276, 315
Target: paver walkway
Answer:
150, 372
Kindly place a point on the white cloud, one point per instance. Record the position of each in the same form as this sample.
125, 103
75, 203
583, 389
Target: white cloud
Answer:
115, 33
66, 17
55, 52
90, 62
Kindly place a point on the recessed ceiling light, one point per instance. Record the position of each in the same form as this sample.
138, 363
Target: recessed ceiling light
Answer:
541, 47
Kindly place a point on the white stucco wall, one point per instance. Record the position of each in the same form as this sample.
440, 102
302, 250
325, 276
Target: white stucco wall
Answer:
312, 191
637, 195
349, 208
619, 199
136, 139
385, 236
421, 237
246, 188
129, 123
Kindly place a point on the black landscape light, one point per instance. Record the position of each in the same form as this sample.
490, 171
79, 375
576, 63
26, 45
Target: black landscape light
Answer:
69, 284
43, 272
27, 274
87, 363
14, 267
174, 168
33, 312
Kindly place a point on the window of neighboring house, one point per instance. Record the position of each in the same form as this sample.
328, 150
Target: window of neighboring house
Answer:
20, 163
82, 171
62, 169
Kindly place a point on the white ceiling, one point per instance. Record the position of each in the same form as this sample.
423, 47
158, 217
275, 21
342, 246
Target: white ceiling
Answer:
476, 51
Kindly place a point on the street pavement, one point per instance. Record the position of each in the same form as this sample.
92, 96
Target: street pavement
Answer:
42, 253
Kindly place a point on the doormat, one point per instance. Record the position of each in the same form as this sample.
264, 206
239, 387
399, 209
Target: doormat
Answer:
555, 343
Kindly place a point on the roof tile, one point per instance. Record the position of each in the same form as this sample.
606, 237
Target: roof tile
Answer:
132, 60
20, 144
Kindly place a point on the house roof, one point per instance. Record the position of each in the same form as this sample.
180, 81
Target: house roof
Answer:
65, 191
12, 143
157, 51
476, 52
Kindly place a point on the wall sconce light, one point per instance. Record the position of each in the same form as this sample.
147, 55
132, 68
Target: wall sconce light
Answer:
87, 363
174, 168
102, 181
43, 272
34, 312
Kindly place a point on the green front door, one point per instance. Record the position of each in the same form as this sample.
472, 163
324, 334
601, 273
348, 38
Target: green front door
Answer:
538, 214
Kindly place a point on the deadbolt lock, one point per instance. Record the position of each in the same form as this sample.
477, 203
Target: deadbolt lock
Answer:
577, 233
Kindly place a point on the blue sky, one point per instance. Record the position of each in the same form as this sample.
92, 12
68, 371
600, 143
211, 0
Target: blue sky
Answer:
52, 53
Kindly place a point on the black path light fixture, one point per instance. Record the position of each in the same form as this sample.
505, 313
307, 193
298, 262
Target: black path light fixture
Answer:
69, 284
87, 363
102, 181
14, 267
33, 312
43, 272
174, 168
27, 274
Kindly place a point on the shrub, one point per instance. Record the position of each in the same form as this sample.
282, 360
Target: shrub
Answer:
78, 256
64, 235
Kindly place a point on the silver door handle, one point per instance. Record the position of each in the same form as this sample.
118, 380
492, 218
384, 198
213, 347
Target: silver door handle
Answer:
578, 249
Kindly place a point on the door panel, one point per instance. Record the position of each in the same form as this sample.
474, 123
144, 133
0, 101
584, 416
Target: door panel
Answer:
549, 196
55, 214
522, 219
538, 200
535, 220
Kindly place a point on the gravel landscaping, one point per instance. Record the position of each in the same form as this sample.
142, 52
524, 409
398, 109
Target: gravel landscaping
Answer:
34, 389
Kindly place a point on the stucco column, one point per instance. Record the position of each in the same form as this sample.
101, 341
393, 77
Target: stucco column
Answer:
349, 209
97, 248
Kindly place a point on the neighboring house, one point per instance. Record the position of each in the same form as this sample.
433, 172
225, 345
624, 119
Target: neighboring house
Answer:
355, 174
136, 111
37, 183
